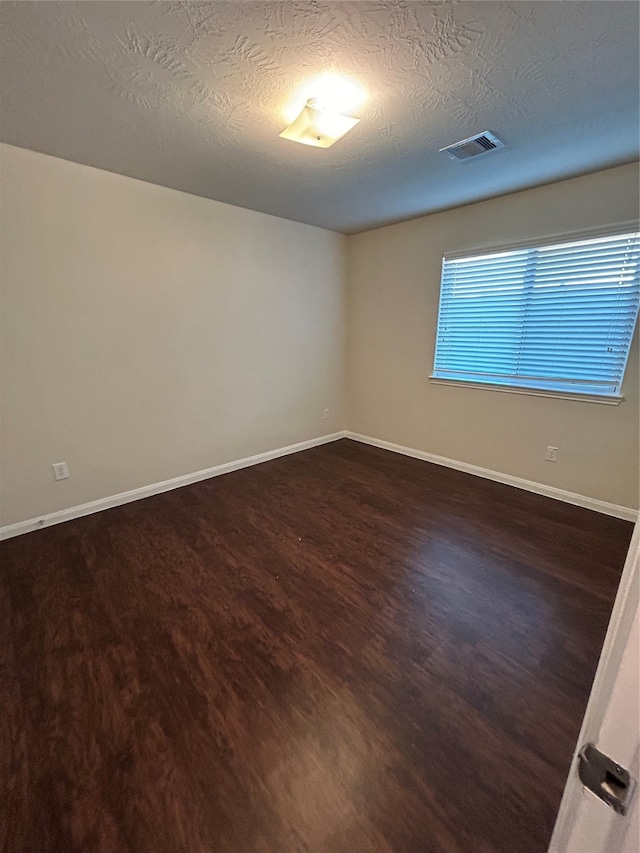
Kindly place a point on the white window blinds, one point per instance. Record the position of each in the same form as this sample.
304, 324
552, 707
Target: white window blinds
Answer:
556, 317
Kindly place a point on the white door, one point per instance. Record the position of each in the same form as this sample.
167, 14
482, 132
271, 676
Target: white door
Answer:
585, 823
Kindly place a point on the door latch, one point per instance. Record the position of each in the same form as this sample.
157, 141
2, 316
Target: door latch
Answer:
608, 780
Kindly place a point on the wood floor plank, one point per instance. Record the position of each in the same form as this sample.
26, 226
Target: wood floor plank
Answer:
341, 650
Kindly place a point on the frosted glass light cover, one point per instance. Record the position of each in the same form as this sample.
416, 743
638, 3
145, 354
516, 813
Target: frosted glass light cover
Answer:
318, 127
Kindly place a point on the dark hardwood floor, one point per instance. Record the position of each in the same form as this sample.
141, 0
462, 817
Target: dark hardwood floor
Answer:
340, 651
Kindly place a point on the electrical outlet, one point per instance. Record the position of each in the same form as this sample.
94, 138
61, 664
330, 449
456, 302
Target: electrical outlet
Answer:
60, 470
326, 415
552, 454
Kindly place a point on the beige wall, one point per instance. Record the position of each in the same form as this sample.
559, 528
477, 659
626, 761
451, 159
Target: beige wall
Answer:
147, 333
394, 279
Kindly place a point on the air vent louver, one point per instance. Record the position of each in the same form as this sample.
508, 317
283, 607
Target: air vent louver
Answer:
479, 144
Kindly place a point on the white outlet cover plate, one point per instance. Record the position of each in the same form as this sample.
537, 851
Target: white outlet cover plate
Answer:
60, 470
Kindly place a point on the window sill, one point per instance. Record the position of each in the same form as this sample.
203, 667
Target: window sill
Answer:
532, 392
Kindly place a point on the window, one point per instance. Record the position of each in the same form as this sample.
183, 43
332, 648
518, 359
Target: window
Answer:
554, 318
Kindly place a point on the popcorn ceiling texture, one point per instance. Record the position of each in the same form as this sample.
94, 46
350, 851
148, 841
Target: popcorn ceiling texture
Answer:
190, 95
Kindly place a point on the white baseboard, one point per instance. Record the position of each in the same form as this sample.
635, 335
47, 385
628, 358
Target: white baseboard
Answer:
156, 488
528, 485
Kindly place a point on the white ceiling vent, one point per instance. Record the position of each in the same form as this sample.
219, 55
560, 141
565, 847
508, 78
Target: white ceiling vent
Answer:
474, 145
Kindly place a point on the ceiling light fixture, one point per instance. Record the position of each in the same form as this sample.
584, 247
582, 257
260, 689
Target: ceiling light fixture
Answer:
317, 116
317, 126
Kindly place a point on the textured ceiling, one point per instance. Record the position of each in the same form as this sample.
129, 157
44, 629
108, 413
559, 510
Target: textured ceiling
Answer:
191, 95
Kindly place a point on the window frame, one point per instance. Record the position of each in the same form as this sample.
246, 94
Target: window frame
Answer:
535, 242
